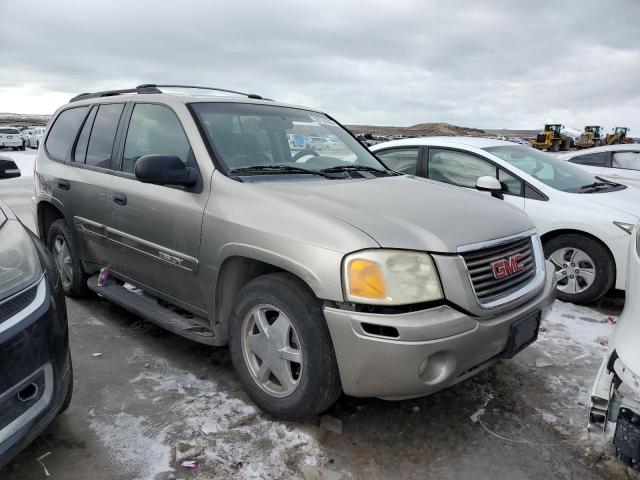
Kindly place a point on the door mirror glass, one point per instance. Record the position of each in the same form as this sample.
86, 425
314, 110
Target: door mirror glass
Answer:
8, 168
165, 170
489, 184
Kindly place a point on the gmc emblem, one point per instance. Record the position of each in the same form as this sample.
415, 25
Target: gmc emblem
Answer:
507, 266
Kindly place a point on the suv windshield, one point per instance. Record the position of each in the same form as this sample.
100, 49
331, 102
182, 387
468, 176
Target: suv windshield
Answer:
556, 173
263, 138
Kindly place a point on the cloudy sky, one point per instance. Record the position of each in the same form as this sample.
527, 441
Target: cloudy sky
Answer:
492, 64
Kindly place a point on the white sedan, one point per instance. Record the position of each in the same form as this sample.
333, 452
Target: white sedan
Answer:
620, 163
33, 137
584, 222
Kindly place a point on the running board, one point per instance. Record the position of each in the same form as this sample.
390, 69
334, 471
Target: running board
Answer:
147, 307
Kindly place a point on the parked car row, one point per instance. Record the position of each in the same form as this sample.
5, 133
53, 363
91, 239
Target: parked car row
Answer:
324, 271
21, 138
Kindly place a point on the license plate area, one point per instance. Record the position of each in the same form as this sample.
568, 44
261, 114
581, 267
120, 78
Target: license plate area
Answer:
523, 333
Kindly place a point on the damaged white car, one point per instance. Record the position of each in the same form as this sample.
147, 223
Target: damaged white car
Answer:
616, 393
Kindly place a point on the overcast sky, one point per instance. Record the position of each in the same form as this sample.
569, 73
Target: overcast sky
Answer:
492, 64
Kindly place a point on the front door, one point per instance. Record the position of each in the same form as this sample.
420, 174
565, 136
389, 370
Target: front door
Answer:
155, 230
463, 169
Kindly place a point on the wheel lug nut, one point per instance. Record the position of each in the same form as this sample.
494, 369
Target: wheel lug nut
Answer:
565, 265
570, 276
564, 272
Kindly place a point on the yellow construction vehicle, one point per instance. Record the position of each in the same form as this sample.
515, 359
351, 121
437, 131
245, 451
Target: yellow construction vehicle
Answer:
591, 137
552, 139
619, 135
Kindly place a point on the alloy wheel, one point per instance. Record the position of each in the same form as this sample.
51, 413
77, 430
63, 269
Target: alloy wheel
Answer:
575, 270
271, 350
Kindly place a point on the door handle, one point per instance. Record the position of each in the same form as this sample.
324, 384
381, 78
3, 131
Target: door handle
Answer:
64, 184
120, 199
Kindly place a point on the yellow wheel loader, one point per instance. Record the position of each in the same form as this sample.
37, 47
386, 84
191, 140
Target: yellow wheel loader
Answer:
552, 139
591, 137
618, 136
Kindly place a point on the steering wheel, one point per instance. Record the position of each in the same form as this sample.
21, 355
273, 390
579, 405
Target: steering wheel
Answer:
302, 153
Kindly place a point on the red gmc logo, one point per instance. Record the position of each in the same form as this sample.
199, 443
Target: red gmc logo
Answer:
507, 266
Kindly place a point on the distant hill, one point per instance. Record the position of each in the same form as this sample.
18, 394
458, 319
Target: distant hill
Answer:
24, 119
437, 129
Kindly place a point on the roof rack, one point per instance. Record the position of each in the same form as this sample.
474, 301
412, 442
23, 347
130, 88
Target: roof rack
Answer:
153, 88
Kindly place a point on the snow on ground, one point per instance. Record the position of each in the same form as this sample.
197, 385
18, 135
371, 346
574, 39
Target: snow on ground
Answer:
213, 427
24, 160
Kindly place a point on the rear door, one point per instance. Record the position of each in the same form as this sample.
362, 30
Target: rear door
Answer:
155, 229
625, 167
80, 188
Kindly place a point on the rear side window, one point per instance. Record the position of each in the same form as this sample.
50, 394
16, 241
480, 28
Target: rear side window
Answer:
403, 160
154, 130
9, 131
81, 147
628, 160
593, 159
103, 134
63, 132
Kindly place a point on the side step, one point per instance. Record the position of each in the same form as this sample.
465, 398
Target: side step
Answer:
147, 307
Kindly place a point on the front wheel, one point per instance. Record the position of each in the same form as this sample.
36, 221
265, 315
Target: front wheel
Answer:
281, 347
585, 269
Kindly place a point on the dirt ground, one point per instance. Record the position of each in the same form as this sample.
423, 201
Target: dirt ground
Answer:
152, 399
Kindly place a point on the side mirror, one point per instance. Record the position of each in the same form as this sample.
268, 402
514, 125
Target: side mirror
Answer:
8, 168
165, 170
490, 184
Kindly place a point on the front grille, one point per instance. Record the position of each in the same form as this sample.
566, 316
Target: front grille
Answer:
541, 138
584, 138
480, 266
9, 308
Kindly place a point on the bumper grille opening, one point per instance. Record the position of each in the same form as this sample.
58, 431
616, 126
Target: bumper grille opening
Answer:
380, 330
19, 302
480, 264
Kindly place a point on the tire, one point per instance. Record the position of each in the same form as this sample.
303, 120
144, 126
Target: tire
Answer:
318, 381
67, 398
73, 277
555, 146
598, 260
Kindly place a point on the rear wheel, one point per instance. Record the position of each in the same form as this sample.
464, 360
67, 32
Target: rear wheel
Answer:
555, 146
281, 347
585, 269
63, 248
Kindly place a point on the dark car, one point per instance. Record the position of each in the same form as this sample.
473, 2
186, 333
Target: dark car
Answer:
36, 378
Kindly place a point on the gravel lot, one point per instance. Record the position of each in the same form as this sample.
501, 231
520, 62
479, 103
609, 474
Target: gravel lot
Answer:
153, 399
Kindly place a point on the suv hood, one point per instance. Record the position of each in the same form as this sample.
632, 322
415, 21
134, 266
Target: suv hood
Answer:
626, 200
408, 212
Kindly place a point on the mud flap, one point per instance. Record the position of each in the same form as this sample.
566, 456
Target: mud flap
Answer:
600, 400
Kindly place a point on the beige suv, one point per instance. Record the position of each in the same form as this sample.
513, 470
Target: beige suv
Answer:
324, 271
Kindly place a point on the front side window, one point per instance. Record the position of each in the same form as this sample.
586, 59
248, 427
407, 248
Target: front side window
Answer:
403, 160
627, 160
593, 159
551, 171
103, 134
248, 136
153, 130
458, 168
63, 132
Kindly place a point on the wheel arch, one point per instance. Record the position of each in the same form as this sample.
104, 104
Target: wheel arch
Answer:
568, 231
47, 213
235, 272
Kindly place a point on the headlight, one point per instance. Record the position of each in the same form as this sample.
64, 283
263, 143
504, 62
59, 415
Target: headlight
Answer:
627, 227
390, 277
19, 262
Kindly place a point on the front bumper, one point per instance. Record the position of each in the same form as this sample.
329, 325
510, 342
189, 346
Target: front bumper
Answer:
434, 348
35, 369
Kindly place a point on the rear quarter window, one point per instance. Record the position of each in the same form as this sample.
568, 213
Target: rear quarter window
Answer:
592, 159
63, 132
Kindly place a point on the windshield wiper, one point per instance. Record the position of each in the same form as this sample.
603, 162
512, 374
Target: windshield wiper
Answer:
596, 185
276, 168
352, 168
